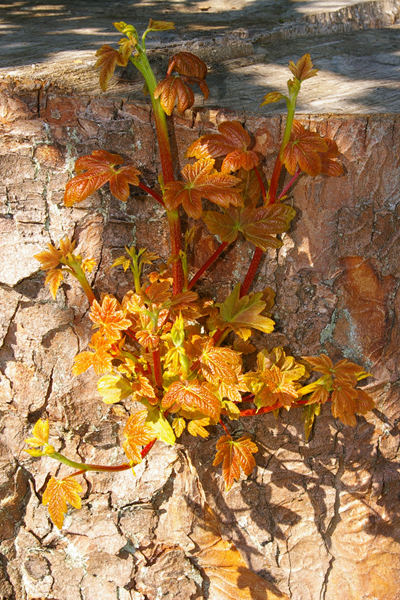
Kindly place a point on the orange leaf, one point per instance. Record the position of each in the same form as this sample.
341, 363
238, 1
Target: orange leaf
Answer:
188, 65
57, 493
260, 225
108, 59
304, 150
224, 225
160, 25
201, 180
49, 259
303, 69
331, 166
95, 170
192, 395
272, 97
109, 317
53, 280
278, 388
173, 89
233, 142
235, 455
137, 434
219, 363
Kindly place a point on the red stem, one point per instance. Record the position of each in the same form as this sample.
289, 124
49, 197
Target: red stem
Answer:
175, 233
147, 448
157, 367
248, 280
274, 180
224, 427
289, 185
261, 183
152, 193
207, 264
250, 412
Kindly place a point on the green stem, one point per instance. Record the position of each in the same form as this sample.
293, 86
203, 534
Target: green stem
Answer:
79, 273
82, 467
291, 108
87, 467
141, 62
273, 187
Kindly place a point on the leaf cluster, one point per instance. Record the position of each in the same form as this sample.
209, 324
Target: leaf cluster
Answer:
162, 348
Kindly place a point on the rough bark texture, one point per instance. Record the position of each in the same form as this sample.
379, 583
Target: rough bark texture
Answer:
320, 520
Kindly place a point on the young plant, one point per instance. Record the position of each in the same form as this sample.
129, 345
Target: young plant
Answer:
177, 354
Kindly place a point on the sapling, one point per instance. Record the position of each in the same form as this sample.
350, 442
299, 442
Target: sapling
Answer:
162, 347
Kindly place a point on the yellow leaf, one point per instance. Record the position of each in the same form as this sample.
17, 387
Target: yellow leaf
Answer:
41, 431
114, 388
123, 261
57, 494
53, 280
197, 427
160, 25
178, 425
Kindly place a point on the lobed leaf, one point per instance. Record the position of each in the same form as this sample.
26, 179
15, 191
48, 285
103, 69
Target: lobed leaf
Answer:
94, 171
243, 313
192, 395
108, 59
236, 456
303, 69
233, 142
138, 433
57, 494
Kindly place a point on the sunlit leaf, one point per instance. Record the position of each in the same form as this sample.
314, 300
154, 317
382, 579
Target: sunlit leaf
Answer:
113, 388
233, 142
242, 313
108, 59
236, 456
94, 171
160, 426
57, 494
201, 181
108, 317
178, 425
40, 434
192, 395
196, 427
53, 280
303, 69
137, 433
219, 363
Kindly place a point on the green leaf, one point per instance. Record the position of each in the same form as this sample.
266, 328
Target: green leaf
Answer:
162, 429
